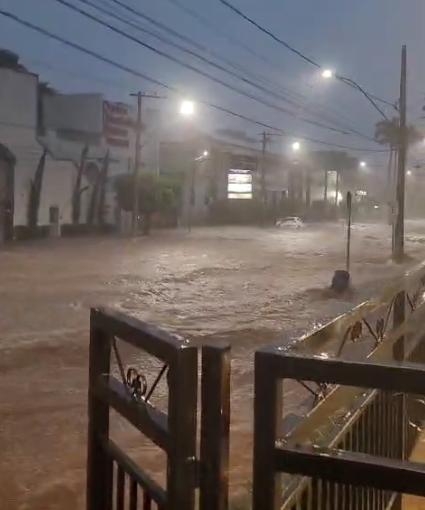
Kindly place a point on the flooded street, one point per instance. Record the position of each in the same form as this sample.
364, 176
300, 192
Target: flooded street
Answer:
248, 286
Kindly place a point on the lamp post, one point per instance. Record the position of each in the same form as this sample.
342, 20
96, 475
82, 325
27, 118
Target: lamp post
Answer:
195, 161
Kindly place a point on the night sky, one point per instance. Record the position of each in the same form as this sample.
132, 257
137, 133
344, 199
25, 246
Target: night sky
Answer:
361, 39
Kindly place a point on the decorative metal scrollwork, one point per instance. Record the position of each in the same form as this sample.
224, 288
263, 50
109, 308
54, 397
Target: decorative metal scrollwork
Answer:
134, 380
319, 394
137, 383
415, 298
356, 331
380, 328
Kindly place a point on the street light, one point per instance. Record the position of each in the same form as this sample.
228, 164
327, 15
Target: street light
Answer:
199, 159
409, 172
362, 164
327, 74
296, 146
187, 108
204, 155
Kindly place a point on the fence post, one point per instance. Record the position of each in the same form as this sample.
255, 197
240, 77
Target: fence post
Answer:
99, 467
215, 426
267, 421
182, 405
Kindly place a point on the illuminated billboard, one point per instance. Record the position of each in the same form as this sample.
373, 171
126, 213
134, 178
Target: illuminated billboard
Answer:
239, 184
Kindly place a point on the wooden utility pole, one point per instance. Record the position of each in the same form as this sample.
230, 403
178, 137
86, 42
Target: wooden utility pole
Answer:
398, 246
138, 148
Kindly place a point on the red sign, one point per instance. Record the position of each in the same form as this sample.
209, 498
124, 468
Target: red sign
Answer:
117, 123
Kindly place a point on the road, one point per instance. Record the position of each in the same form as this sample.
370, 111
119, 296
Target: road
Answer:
248, 286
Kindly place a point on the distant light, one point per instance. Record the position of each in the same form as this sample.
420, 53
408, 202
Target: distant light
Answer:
362, 164
187, 108
327, 74
339, 197
409, 172
376, 206
361, 193
296, 146
205, 153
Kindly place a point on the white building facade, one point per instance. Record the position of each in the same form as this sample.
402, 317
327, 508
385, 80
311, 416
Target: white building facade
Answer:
34, 120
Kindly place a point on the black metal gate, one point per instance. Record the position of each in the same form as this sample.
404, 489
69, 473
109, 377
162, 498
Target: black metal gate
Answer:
114, 481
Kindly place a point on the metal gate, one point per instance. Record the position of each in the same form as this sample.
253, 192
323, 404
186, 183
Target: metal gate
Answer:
114, 481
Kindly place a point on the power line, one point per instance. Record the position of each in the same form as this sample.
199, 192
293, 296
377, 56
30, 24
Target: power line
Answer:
208, 23
342, 128
201, 47
195, 69
185, 50
176, 34
347, 81
143, 76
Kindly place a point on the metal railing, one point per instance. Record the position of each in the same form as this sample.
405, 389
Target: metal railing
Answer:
114, 480
372, 422
351, 474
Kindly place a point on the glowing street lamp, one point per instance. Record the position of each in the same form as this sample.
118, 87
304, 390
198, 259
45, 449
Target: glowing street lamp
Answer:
362, 164
205, 154
187, 108
409, 172
327, 74
296, 146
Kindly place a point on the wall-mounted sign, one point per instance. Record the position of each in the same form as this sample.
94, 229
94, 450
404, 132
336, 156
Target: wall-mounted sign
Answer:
239, 184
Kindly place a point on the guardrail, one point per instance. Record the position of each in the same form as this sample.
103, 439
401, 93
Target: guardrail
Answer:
372, 422
116, 481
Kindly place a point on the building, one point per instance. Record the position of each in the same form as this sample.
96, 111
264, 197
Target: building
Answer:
223, 178
43, 136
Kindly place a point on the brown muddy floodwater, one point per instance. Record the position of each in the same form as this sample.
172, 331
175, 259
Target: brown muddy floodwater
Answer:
248, 286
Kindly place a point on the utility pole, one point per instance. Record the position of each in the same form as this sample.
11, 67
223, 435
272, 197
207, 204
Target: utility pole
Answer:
136, 173
263, 176
398, 246
138, 148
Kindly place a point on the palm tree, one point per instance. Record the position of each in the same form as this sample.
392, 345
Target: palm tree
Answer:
387, 132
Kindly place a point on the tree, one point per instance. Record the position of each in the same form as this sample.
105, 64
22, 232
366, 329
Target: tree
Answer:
103, 178
77, 191
35, 193
156, 194
95, 210
387, 132
91, 209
